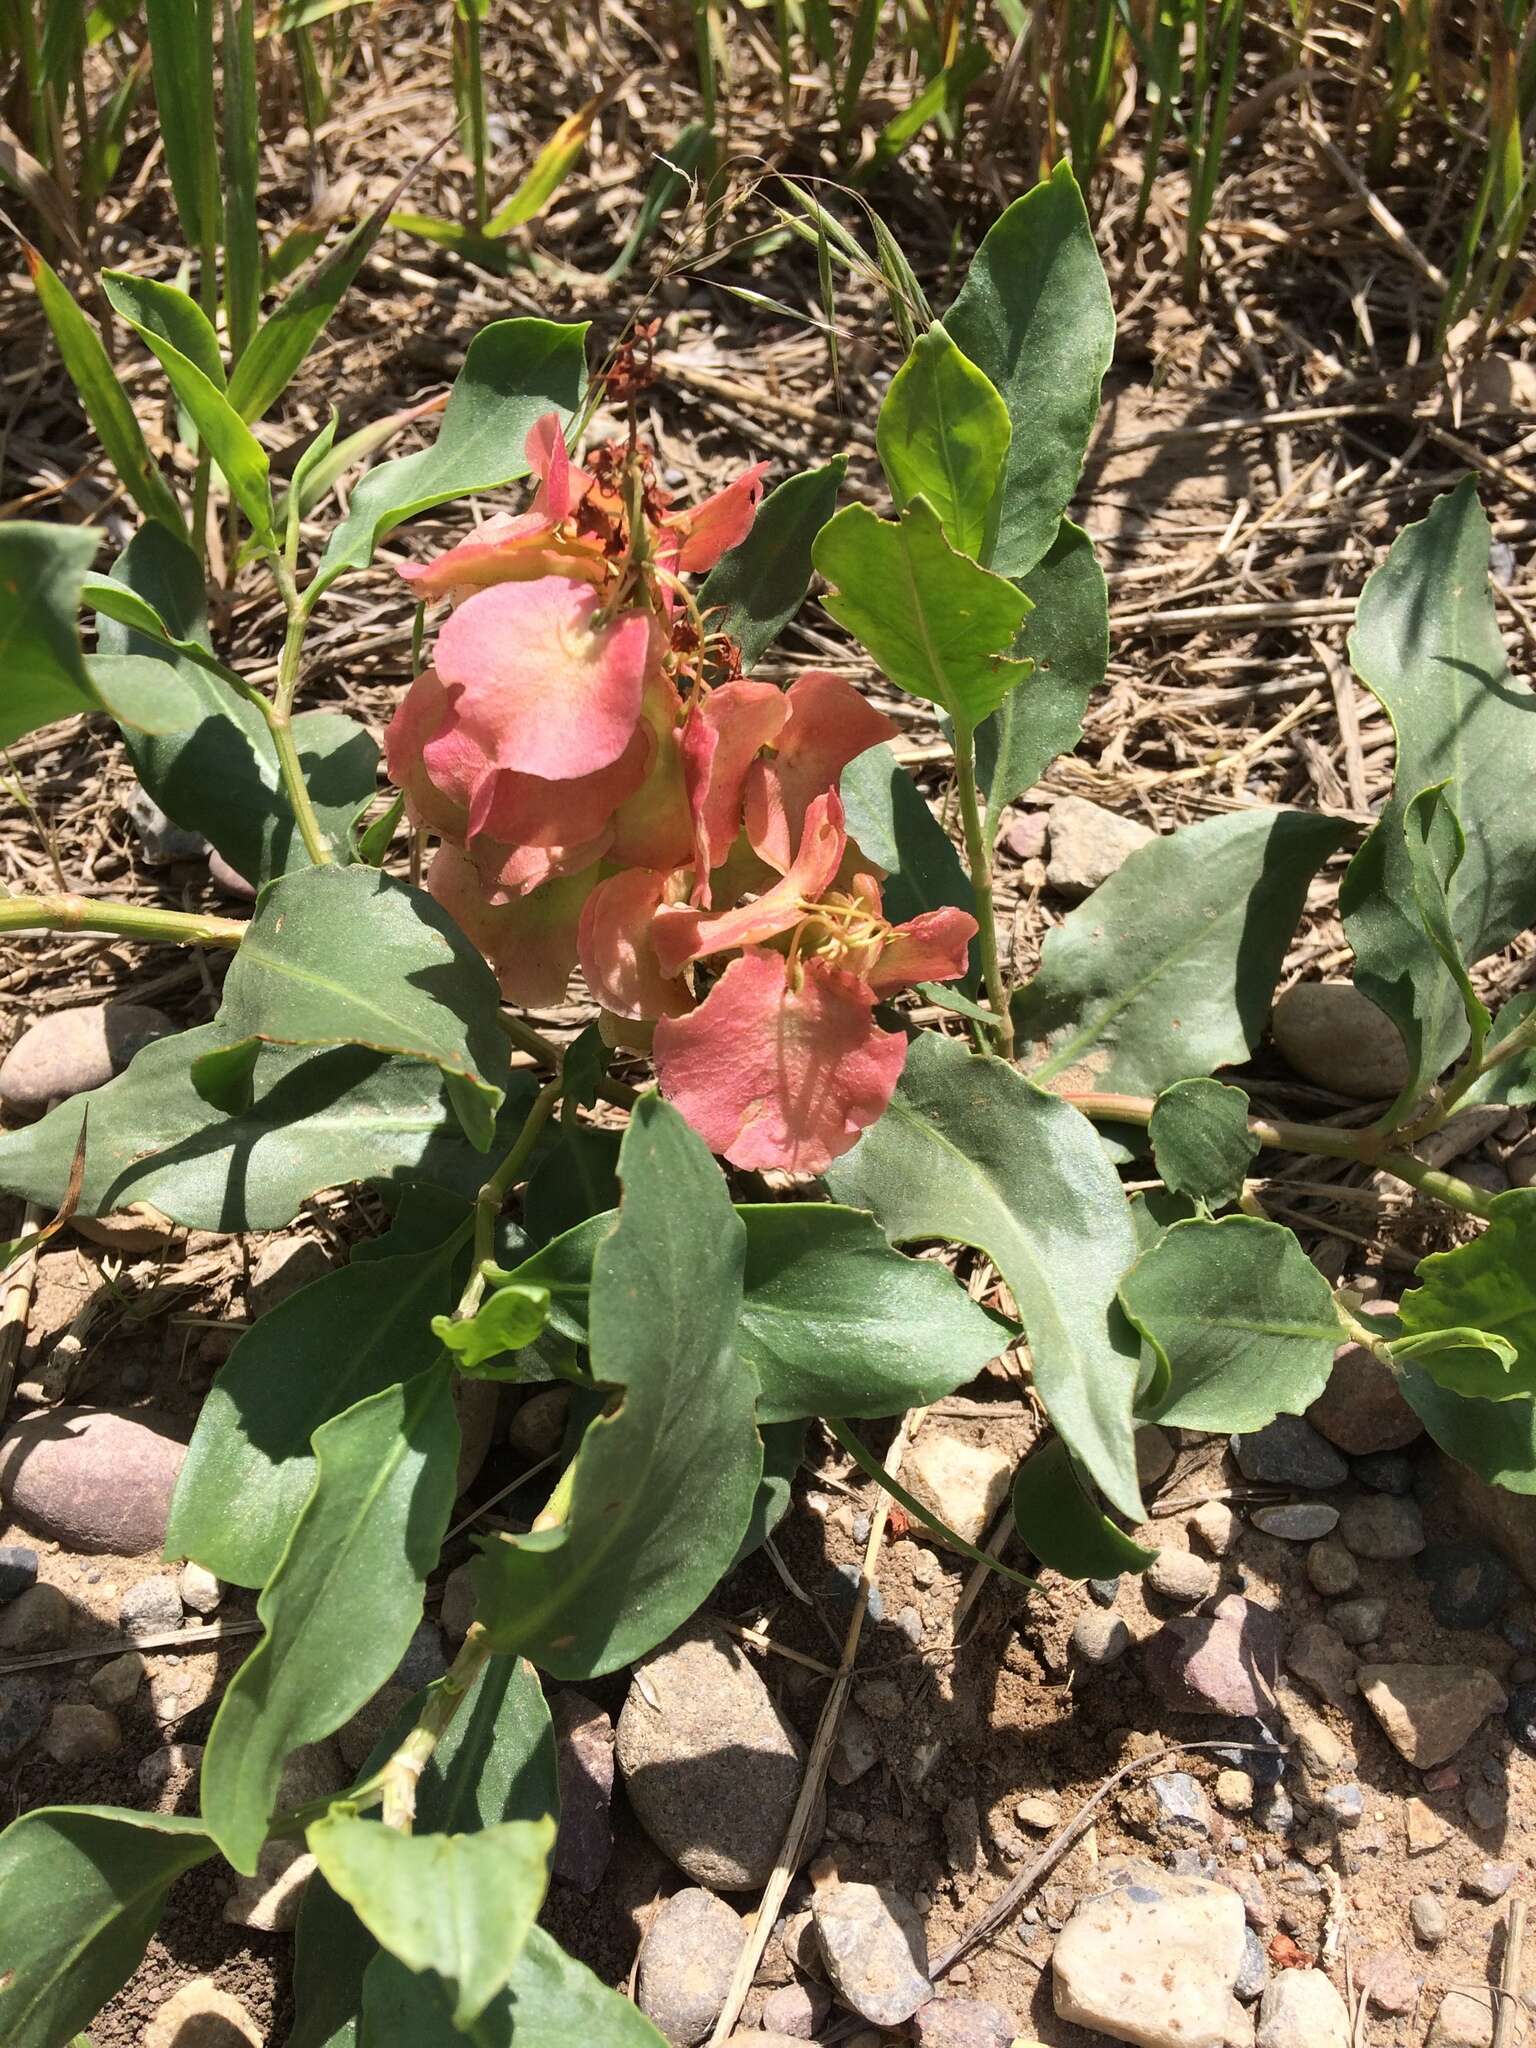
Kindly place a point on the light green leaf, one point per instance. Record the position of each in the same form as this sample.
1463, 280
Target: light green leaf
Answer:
1067, 638
1426, 643
153, 308
1034, 313
105, 401
242, 175
1473, 1363
515, 371
81, 1889
1063, 1525
1512, 1080
1436, 848
1201, 1141
239, 455
182, 42
753, 592
943, 435
1240, 1317
664, 1481
352, 1333
459, 1905
936, 622
509, 1319
1168, 970
343, 1603
552, 2002
317, 1120
1487, 1285
348, 956
970, 1151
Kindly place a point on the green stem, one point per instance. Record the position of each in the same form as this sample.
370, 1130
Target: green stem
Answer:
402, 1774
1519, 1041
488, 1203
548, 1054
279, 717
65, 913
1323, 1140
978, 854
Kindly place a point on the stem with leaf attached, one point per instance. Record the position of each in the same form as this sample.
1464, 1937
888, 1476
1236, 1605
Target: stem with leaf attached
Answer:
978, 854
402, 1774
66, 913
489, 1201
279, 716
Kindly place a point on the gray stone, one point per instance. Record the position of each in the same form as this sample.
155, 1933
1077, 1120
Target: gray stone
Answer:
1428, 1711
73, 1051
1360, 1410
875, 1948
161, 839
1490, 1881
38, 1619
963, 2023
1385, 1471
855, 1750
1332, 1568
174, 1760
80, 1735
686, 1962
1319, 1656
1431, 1922
1521, 1717
1181, 1801
1181, 1577
199, 1589
1088, 844
23, 1710
1289, 1452
1469, 1584
537, 1430
1301, 2009
1104, 1592
1152, 1959
1486, 1809
1358, 1621
116, 1684
1333, 1036
151, 1608
1465, 2019
18, 1570
423, 1660
1225, 1662
1297, 1521
796, 2010
92, 1479
711, 1764
584, 1759
843, 1582
1383, 1527
1154, 1456
1254, 1973
1099, 1639
1344, 1805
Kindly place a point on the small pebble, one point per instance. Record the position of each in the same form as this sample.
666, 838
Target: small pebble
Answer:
1104, 1591
1431, 1923
1520, 1717
1234, 1791
38, 1619
1181, 1801
1278, 1815
1469, 1584
1486, 1808
843, 1582
1385, 1471
1358, 1621
1383, 1527
1332, 1568
1297, 1521
23, 1710
1181, 1577
152, 1607
1038, 1812
1345, 1805
18, 1570
116, 1684
200, 1590
1253, 1973
1217, 1527
686, 1960
1491, 1881
1100, 1639
1289, 1452
79, 1735
1389, 1981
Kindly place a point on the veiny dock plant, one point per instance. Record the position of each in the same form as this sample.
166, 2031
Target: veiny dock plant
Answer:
748, 882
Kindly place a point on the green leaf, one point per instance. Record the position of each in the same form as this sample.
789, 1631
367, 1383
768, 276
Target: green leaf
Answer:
242, 176
943, 435
970, 1151
783, 1454
81, 1889
1512, 1080
1436, 848
343, 1603
1034, 313
515, 371
1426, 644
1497, 1439
509, 1319
459, 1905
1473, 1363
239, 455
549, 170
1062, 1524
577, 1177
552, 2002
181, 40
1487, 1285
41, 570
161, 310
1067, 638
670, 180
352, 1333
317, 1120
935, 621
1240, 1317
1168, 970
1201, 1141
664, 1480
889, 819
753, 592
105, 401
348, 956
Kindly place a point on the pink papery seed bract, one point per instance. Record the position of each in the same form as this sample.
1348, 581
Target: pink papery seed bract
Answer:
618, 959
683, 934
933, 946
828, 724
692, 542
530, 942
721, 738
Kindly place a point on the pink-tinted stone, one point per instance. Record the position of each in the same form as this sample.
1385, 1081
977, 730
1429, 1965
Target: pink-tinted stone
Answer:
92, 1479
1225, 1662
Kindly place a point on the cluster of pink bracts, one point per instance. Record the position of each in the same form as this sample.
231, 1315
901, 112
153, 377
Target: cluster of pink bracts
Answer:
599, 802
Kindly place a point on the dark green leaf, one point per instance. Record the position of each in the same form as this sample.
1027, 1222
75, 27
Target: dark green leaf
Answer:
553, 2002
242, 176
971, 1151
347, 956
1067, 638
664, 1481
342, 1604
1201, 1141
1169, 968
105, 401
890, 822
1512, 1080
670, 180
181, 40
1063, 1525
943, 435
753, 592
936, 622
1034, 313
1487, 1285
514, 372
577, 1177
1241, 1318
1436, 848
783, 1452
1497, 1439
459, 1905
81, 1888
41, 570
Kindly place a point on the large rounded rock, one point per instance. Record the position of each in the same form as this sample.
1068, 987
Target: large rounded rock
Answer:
74, 1051
92, 1479
1333, 1036
200, 2015
711, 1765
686, 1963
1152, 1958
1360, 1410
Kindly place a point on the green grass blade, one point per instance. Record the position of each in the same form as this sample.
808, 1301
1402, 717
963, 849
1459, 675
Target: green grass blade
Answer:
181, 49
242, 176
